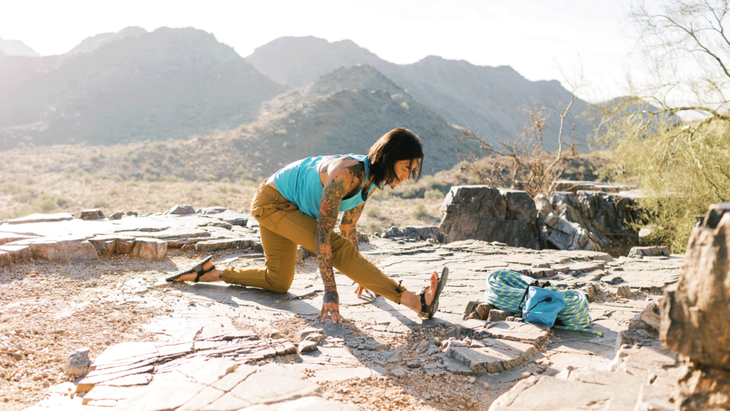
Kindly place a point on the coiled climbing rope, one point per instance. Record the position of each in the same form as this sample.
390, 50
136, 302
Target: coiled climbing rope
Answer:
505, 290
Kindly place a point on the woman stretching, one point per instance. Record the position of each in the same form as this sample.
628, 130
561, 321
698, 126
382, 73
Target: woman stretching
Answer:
299, 204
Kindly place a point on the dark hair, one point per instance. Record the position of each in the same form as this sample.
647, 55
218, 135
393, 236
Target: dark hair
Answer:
396, 145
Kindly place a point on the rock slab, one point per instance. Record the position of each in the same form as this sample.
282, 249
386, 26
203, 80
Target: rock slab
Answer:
486, 213
696, 314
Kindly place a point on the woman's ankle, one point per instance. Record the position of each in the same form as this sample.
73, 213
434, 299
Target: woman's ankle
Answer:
411, 300
212, 276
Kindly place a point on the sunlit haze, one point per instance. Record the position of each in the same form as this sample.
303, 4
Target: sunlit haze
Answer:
541, 39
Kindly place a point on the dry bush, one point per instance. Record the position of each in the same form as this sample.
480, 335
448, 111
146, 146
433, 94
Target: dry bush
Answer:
534, 167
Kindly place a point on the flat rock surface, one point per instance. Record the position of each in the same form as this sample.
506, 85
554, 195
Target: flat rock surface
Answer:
145, 335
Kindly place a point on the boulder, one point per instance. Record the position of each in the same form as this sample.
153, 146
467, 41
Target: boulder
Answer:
92, 214
559, 233
597, 212
116, 215
695, 319
149, 249
519, 205
488, 214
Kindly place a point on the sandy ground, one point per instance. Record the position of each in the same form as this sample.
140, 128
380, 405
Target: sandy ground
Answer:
49, 310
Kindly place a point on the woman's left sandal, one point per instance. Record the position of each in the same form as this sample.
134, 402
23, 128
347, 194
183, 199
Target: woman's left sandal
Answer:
427, 311
195, 268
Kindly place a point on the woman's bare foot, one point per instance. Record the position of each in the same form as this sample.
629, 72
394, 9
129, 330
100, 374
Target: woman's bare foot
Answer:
413, 300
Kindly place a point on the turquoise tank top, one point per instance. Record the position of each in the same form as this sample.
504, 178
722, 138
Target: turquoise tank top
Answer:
299, 183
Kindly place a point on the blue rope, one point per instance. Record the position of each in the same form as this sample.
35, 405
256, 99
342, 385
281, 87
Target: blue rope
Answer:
505, 290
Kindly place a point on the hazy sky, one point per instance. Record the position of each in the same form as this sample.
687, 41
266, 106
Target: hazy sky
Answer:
536, 37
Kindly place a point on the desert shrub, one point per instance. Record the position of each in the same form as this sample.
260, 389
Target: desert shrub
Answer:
213, 202
227, 189
433, 194
245, 182
682, 170
372, 211
45, 204
410, 192
419, 211
371, 227
380, 194
24, 195
99, 203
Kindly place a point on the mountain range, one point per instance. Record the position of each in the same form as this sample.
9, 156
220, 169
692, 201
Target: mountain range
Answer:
488, 100
16, 48
293, 97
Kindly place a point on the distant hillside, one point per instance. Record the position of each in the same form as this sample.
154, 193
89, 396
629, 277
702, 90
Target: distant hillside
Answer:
92, 43
298, 61
486, 99
346, 111
16, 48
358, 77
170, 83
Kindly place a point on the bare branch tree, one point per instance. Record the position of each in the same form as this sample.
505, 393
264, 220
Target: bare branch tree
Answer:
534, 167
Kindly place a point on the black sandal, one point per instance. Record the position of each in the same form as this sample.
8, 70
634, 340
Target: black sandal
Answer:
195, 268
427, 311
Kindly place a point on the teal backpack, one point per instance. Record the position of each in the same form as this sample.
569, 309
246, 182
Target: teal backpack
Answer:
542, 305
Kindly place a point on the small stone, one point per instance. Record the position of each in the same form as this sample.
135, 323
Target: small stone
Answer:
307, 331
91, 214
624, 291
116, 216
379, 370
314, 337
274, 335
412, 364
306, 346
77, 364
399, 372
498, 315
182, 209
471, 380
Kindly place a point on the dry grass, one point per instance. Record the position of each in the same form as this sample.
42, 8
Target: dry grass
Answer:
55, 179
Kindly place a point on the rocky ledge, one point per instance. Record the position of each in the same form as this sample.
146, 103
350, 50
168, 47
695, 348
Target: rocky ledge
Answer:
229, 347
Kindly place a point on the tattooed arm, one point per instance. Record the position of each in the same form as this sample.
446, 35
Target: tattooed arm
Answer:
338, 181
348, 224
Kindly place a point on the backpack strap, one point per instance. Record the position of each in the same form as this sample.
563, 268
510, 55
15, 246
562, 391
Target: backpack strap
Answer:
535, 283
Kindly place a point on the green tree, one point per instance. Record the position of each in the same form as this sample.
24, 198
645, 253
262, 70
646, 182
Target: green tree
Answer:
681, 164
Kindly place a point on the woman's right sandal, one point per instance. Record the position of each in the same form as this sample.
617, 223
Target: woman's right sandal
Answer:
195, 268
427, 311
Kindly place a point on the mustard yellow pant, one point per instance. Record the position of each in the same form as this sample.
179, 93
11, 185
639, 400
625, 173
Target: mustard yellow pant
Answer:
282, 227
